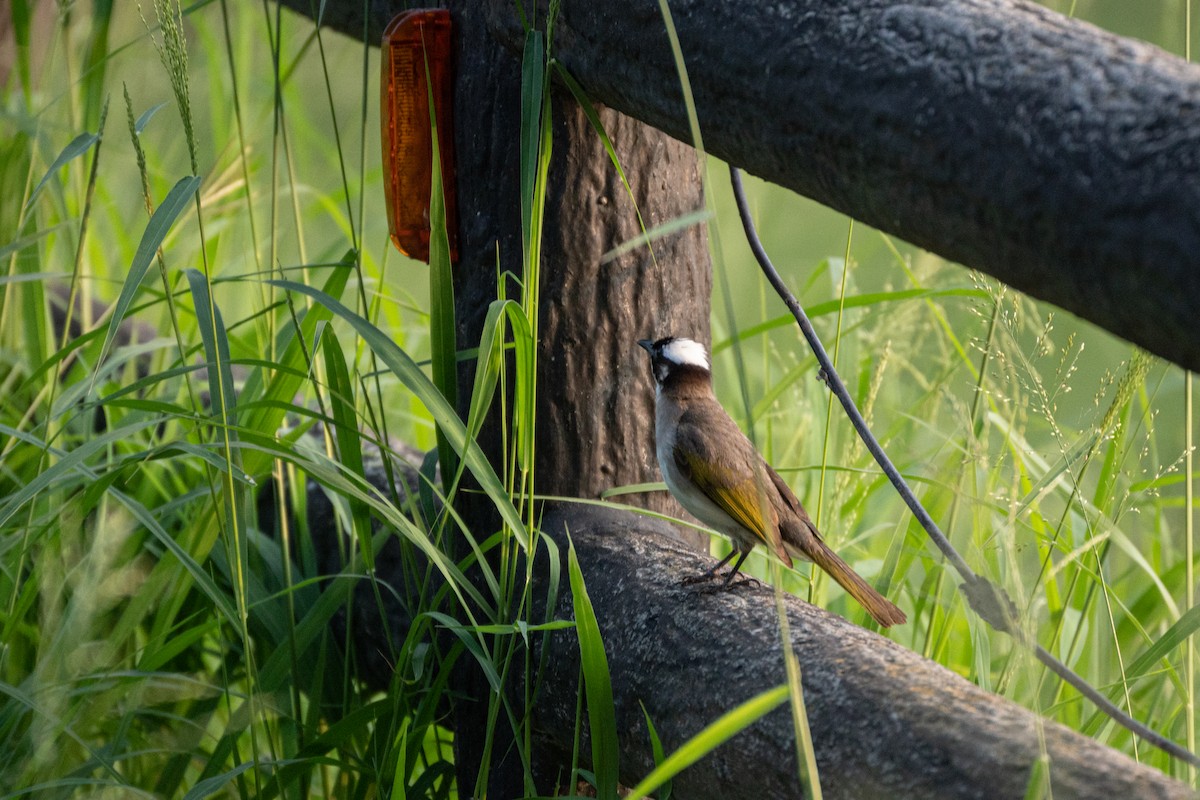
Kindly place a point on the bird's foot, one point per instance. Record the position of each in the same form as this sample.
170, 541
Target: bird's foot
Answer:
703, 577
740, 582
728, 583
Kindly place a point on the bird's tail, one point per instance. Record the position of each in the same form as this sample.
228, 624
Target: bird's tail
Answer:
883, 610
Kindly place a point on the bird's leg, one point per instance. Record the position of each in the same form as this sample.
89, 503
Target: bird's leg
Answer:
733, 572
708, 575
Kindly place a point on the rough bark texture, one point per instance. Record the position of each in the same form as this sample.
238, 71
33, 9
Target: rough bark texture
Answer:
1059, 158
886, 723
595, 419
595, 429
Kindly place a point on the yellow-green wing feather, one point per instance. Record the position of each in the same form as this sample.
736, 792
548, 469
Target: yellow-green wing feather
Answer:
730, 478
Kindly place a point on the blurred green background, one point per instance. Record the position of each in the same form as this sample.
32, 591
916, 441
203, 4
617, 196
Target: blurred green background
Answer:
1059, 473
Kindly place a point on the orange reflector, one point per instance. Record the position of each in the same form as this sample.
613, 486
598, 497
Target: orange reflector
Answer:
412, 39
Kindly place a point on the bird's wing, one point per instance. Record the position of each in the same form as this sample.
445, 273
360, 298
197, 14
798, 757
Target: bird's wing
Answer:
728, 476
802, 539
791, 502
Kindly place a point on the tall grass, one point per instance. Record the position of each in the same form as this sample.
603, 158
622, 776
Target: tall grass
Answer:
160, 638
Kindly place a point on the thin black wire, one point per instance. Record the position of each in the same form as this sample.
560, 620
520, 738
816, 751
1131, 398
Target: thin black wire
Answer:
989, 601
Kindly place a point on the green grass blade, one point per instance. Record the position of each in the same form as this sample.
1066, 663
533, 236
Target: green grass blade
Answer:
533, 77
346, 433
1039, 779
488, 362
806, 757
95, 61
647, 237
597, 684
865, 300
205, 581
664, 791
178, 199
443, 347
212, 785
19, 245
216, 350
715, 734
20, 19
404, 368
70, 468
275, 672
463, 633
1178, 634
490, 356
146, 116
293, 366
333, 476
77, 147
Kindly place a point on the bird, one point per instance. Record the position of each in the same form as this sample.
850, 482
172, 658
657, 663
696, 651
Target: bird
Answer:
719, 477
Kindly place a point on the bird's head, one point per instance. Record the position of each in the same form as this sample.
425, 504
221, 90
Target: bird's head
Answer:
676, 356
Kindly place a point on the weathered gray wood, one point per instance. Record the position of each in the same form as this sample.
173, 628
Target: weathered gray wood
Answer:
595, 401
689, 655
886, 723
596, 421
1061, 159
594, 424
1057, 157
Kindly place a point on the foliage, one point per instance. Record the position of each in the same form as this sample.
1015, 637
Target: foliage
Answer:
199, 307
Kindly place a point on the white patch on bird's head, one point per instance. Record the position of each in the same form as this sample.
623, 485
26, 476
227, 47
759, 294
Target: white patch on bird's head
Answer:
684, 351
673, 354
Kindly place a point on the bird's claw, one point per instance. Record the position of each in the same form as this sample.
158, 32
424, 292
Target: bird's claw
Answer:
744, 580
728, 583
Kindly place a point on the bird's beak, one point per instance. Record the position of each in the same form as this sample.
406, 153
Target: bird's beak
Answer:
646, 345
